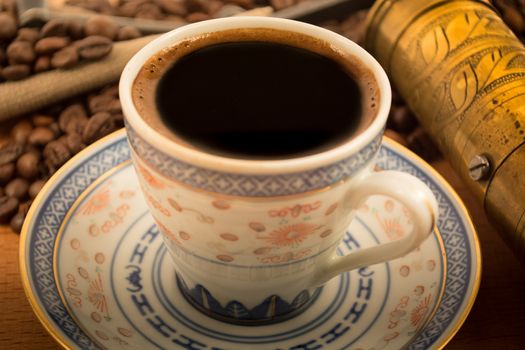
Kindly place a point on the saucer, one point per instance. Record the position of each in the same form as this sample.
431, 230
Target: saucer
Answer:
98, 276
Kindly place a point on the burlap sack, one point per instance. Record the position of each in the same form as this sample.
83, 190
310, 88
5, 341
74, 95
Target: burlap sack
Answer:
44, 89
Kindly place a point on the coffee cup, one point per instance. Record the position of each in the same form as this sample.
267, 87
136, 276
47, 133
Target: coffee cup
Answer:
254, 142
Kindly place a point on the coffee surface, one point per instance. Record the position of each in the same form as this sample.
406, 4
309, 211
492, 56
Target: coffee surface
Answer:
256, 99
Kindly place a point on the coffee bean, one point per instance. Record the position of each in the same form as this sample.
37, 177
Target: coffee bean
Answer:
2, 192
17, 188
8, 207
213, 6
73, 119
20, 52
16, 72
7, 26
93, 47
128, 33
9, 7
75, 29
7, 171
92, 5
42, 64
62, 139
42, 119
195, 5
10, 151
281, 4
131, 8
54, 27
101, 26
401, 119
149, 11
35, 188
98, 125
27, 165
249, 4
55, 154
31, 35
228, 10
73, 111
197, 17
176, 20
172, 7
104, 7
21, 131
41, 136
65, 58
114, 106
74, 142
110, 90
55, 129
77, 125
49, 45
104, 103
17, 221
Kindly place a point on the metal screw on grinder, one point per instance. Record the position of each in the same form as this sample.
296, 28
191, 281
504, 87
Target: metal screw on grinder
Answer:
479, 168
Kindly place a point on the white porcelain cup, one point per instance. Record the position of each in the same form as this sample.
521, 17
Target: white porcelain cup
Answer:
253, 240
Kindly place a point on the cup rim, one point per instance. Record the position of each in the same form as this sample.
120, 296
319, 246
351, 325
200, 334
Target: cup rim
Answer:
202, 159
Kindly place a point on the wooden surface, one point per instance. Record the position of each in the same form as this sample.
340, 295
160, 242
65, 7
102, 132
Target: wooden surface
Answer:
497, 320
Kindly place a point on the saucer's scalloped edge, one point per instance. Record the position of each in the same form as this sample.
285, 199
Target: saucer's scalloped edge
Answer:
62, 341
59, 338
477, 256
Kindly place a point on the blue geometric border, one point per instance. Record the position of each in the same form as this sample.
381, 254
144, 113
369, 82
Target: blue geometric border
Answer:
246, 184
47, 223
42, 235
459, 256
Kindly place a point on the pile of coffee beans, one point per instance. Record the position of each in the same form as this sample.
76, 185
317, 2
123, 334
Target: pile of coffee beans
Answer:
59, 44
182, 11
40, 143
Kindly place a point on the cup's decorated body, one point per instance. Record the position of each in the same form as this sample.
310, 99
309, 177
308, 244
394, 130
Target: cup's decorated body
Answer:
253, 240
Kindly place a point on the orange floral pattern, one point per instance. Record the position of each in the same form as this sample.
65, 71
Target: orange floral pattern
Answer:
98, 202
96, 295
420, 311
392, 227
290, 235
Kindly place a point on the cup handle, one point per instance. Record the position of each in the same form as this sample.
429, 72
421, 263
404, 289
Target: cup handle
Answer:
408, 190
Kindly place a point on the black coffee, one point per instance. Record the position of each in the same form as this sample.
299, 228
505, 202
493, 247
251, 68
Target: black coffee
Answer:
259, 99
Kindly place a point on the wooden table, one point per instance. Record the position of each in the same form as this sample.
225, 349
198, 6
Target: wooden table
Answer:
497, 320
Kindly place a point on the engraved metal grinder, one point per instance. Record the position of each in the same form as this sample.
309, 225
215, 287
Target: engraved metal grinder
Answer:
462, 72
